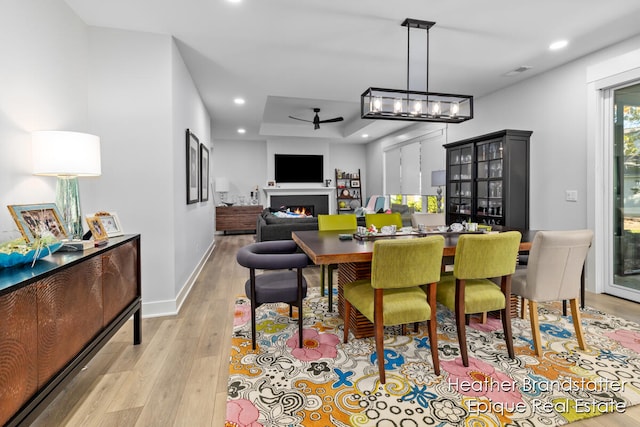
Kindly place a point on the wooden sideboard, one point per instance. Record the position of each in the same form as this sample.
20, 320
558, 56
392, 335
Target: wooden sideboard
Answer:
237, 218
56, 315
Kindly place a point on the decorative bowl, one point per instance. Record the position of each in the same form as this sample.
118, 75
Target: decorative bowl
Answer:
13, 259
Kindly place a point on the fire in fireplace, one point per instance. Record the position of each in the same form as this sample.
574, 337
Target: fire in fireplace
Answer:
299, 210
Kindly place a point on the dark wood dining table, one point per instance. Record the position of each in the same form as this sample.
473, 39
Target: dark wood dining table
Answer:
354, 257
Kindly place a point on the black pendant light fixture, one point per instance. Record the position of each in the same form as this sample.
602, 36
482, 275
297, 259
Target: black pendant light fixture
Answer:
412, 105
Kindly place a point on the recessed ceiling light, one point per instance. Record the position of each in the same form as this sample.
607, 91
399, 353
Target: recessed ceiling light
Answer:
242, 130
239, 101
234, 1
558, 45
365, 135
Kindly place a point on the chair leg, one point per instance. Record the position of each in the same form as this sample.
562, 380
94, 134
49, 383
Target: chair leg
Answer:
252, 279
506, 326
523, 307
403, 329
300, 308
483, 317
378, 324
347, 318
432, 328
505, 286
575, 313
460, 322
253, 325
535, 328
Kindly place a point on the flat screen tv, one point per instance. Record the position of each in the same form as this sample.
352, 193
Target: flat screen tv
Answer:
299, 168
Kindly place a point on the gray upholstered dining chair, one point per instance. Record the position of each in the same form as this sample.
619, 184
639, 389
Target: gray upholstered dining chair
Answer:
553, 273
287, 285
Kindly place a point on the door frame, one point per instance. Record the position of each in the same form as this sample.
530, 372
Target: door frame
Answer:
602, 79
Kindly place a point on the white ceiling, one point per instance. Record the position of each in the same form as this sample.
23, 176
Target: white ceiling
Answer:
286, 57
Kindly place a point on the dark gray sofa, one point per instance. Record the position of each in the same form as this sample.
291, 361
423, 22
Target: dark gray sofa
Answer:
269, 227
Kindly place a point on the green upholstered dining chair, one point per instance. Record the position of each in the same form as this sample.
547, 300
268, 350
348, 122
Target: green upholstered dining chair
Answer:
382, 219
347, 223
553, 273
393, 295
470, 290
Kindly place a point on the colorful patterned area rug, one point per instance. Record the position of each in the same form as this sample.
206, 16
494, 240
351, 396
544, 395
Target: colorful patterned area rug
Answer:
328, 383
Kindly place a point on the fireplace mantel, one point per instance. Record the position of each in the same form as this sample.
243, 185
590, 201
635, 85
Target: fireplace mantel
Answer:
301, 191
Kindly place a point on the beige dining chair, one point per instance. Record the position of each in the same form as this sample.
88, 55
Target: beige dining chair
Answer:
427, 219
553, 273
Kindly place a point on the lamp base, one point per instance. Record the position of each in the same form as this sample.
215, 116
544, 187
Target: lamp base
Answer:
439, 200
68, 202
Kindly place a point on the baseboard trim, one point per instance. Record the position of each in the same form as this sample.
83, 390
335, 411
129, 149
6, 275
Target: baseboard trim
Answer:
172, 307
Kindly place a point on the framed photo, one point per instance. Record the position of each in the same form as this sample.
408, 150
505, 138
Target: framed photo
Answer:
271, 183
34, 220
355, 183
97, 230
204, 173
110, 223
193, 184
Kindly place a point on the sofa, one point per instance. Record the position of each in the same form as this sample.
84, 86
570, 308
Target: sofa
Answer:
270, 227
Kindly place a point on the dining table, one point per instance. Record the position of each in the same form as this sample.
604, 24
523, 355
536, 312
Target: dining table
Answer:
353, 253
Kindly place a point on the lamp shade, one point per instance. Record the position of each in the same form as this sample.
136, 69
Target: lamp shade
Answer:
61, 153
222, 184
438, 178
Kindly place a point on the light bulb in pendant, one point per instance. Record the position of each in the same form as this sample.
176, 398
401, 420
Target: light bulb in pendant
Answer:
397, 106
377, 104
435, 108
455, 109
417, 108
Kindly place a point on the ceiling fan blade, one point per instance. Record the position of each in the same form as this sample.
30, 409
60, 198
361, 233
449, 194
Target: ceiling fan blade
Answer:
335, 119
302, 120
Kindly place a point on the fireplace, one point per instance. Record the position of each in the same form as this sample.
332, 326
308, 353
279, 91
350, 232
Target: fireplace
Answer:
312, 204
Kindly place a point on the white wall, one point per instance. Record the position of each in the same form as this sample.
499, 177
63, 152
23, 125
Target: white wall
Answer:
193, 224
132, 90
248, 164
243, 163
43, 83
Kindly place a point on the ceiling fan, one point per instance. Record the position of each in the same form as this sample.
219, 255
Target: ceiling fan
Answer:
316, 120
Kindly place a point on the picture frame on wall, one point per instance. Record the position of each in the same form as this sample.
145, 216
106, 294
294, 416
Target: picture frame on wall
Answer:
110, 222
193, 168
204, 173
37, 219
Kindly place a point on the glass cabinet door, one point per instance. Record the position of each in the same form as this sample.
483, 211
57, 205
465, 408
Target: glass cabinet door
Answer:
489, 183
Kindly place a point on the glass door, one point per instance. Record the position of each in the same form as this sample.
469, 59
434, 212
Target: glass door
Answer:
626, 194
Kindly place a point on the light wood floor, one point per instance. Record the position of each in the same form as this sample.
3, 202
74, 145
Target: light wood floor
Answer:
178, 375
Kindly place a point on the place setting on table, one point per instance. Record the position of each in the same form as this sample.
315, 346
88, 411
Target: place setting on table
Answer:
390, 231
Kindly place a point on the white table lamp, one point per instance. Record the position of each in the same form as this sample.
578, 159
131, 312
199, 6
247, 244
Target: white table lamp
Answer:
67, 155
222, 187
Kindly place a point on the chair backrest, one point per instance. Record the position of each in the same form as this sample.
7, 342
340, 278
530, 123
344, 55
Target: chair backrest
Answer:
428, 219
273, 255
405, 263
380, 220
337, 222
555, 264
482, 256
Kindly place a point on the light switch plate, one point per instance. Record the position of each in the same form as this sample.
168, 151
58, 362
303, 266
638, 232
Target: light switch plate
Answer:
571, 195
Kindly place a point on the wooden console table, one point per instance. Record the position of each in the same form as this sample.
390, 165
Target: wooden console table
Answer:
237, 218
56, 315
